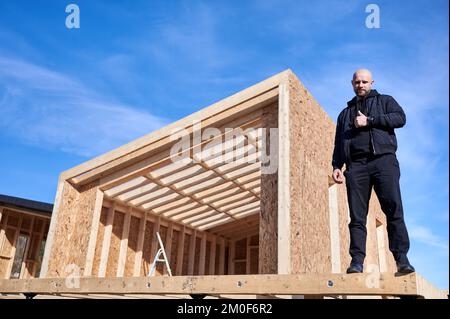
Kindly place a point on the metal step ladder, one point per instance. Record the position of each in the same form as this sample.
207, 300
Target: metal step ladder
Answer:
158, 258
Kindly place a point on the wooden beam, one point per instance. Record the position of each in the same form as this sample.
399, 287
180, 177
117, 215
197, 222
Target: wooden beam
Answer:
94, 233
191, 261
299, 284
212, 256
202, 259
124, 244
140, 245
106, 241
180, 252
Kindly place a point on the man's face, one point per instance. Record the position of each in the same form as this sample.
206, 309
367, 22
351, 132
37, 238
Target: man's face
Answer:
362, 83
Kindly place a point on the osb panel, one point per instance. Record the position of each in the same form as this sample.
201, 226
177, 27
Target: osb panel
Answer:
240, 268
311, 142
241, 249
146, 258
73, 226
132, 246
372, 258
114, 246
268, 224
99, 242
187, 240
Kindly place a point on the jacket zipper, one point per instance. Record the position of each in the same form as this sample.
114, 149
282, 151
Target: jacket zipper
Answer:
370, 133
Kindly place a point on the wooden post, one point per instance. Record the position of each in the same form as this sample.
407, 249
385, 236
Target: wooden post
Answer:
124, 244
231, 249
202, 261
248, 259
154, 246
106, 241
140, 245
222, 257
180, 252
168, 244
212, 256
192, 252
93, 235
13, 249
2, 232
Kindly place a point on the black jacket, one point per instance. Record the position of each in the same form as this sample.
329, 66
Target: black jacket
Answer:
384, 116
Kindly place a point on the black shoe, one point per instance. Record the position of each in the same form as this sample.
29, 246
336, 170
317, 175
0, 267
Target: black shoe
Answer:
405, 268
355, 268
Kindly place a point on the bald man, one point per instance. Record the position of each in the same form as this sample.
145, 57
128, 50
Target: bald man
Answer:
365, 142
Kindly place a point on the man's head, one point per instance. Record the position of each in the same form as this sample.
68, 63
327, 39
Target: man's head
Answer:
362, 82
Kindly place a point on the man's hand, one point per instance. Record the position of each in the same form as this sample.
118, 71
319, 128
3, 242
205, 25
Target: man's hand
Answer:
360, 120
338, 177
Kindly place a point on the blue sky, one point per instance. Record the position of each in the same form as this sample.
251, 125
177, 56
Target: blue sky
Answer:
67, 95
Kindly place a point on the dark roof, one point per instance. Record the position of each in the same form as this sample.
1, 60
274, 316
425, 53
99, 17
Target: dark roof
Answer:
26, 203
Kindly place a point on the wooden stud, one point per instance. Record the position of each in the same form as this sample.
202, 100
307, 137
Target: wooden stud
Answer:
124, 244
154, 245
222, 256
2, 232
106, 241
168, 244
180, 252
231, 256
192, 253
284, 191
140, 245
202, 259
212, 256
248, 258
94, 233
13, 249
27, 248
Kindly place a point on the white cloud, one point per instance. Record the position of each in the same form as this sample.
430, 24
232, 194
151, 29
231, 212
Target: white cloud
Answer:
51, 110
426, 236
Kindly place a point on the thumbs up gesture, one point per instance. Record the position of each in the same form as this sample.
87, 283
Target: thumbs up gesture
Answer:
360, 120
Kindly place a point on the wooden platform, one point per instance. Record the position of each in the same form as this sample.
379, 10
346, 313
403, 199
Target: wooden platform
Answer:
318, 285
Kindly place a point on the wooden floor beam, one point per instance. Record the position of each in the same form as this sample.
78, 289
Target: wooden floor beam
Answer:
367, 284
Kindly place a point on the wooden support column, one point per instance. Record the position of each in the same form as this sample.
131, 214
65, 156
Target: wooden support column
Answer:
202, 261
168, 244
180, 252
222, 257
27, 248
39, 239
212, 256
231, 254
192, 252
106, 241
140, 245
248, 260
154, 246
94, 232
124, 244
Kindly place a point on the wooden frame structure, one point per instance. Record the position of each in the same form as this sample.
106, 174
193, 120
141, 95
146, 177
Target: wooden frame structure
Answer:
271, 209
23, 230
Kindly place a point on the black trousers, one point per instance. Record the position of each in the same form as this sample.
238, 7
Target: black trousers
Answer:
381, 173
